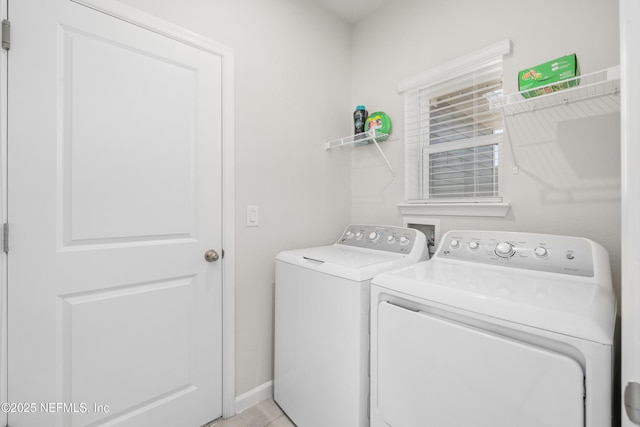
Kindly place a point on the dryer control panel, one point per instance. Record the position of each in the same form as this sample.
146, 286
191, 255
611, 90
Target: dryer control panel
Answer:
398, 240
541, 252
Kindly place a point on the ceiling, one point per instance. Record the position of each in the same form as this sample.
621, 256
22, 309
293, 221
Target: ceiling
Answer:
351, 11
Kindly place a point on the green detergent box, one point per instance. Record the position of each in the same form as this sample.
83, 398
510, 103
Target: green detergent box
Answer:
549, 77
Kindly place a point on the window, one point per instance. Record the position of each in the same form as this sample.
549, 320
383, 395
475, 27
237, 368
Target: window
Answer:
452, 135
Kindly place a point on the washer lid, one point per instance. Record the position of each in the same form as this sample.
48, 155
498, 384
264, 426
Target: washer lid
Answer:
553, 302
350, 263
347, 257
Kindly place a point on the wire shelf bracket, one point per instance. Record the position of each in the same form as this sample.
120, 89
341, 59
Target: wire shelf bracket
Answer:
362, 139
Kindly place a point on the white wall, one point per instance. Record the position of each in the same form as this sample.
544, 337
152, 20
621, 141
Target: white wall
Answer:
408, 37
292, 74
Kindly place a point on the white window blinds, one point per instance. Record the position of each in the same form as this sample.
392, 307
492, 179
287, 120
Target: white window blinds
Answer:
453, 138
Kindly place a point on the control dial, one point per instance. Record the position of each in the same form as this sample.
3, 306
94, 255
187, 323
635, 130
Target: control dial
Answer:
454, 244
359, 235
541, 252
374, 236
404, 240
350, 234
391, 239
505, 249
474, 245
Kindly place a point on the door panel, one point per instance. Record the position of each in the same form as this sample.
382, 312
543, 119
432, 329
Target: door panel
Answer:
88, 369
114, 197
432, 371
108, 86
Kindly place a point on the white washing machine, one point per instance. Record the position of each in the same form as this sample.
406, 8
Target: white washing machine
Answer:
322, 322
498, 329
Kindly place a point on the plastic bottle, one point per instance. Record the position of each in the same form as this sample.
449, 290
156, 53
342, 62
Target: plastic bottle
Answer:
381, 123
359, 118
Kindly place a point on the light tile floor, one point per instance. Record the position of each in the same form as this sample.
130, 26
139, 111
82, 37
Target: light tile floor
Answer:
263, 414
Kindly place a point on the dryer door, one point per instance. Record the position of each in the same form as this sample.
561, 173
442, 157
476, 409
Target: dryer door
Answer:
433, 371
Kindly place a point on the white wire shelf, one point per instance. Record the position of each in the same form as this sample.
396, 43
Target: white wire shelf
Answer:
536, 120
358, 139
533, 126
363, 139
593, 94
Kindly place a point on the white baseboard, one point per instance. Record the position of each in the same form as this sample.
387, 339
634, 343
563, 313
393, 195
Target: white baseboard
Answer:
256, 395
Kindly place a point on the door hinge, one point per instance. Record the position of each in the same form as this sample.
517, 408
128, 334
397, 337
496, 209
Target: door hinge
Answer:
5, 237
6, 34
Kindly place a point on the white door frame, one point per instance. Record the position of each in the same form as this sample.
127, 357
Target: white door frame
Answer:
630, 209
149, 22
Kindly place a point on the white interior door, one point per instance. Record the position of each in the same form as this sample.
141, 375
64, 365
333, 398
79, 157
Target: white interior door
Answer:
114, 196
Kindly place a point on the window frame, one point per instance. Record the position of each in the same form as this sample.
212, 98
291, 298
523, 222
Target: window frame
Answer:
436, 82
468, 85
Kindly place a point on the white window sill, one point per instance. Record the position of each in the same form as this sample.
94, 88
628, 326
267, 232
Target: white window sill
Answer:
498, 210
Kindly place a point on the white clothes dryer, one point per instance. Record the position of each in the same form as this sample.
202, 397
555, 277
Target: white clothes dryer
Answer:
322, 322
498, 329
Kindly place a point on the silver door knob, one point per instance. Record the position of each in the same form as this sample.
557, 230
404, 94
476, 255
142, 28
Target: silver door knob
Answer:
211, 255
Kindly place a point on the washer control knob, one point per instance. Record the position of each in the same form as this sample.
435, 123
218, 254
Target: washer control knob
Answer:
474, 246
541, 252
454, 244
349, 234
359, 235
391, 239
504, 249
374, 236
404, 240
